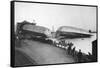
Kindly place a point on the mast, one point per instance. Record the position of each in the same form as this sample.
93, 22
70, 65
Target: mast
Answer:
53, 34
52, 28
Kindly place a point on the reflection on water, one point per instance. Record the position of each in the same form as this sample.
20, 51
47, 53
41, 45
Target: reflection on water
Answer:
85, 44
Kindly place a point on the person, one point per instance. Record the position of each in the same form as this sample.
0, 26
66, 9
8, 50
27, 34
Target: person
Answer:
79, 56
73, 51
69, 48
89, 56
64, 43
68, 43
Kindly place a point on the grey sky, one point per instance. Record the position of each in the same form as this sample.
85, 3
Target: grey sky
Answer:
49, 15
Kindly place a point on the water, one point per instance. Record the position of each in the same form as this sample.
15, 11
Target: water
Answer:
85, 44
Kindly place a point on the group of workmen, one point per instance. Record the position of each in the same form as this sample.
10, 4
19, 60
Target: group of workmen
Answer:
77, 55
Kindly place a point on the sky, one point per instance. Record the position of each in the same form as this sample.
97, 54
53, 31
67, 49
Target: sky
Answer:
53, 15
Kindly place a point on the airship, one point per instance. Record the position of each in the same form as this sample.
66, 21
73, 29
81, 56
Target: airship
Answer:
69, 32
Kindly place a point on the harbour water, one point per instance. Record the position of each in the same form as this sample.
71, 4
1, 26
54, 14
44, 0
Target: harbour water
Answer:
85, 44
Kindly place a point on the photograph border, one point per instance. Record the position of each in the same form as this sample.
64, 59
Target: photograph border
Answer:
12, 32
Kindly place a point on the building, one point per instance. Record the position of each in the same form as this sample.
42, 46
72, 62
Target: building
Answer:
94, 50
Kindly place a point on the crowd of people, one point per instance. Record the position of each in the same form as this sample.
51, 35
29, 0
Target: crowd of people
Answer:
71, 50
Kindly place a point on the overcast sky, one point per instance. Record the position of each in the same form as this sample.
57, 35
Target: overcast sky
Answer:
49, 15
